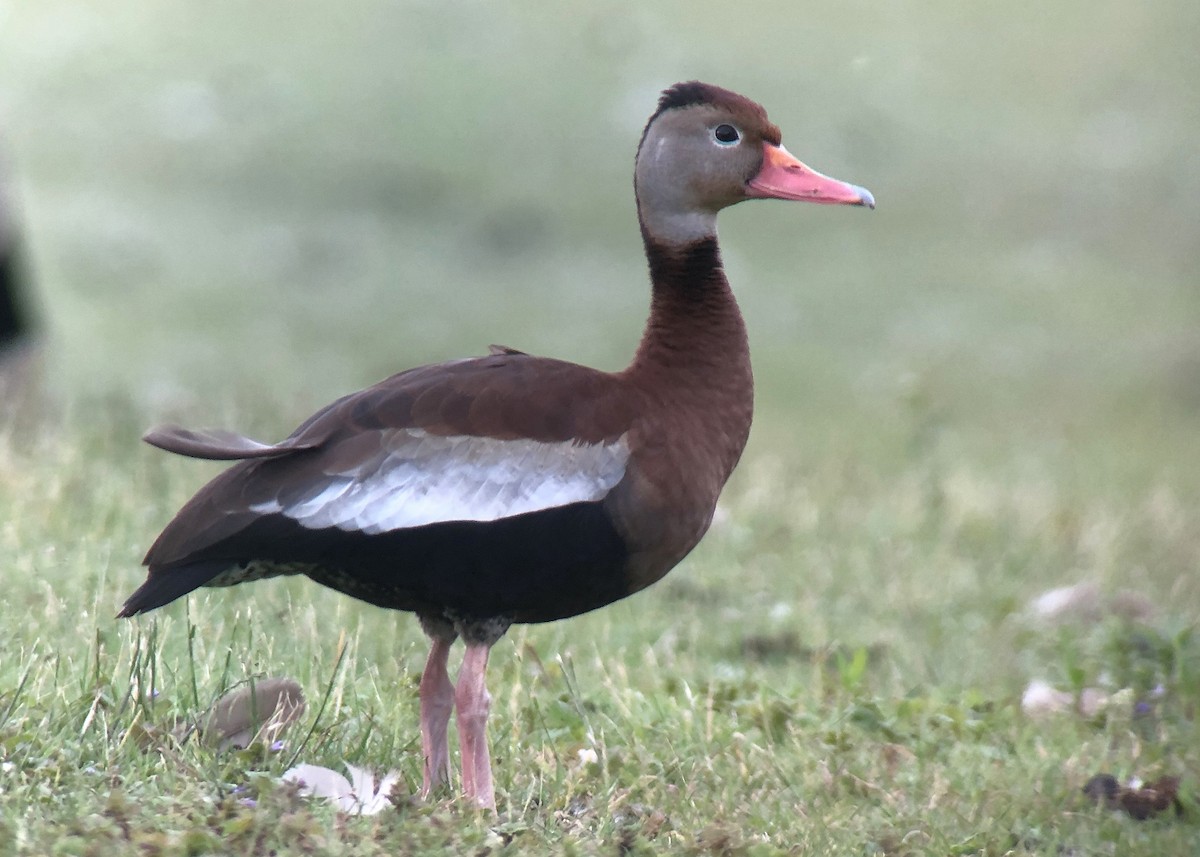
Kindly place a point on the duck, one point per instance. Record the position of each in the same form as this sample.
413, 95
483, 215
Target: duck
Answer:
511, 488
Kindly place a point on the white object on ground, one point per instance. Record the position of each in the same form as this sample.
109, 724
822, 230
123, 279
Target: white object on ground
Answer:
359, 795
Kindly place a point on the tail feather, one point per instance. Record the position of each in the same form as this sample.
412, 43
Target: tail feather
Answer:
165, 585
219, 445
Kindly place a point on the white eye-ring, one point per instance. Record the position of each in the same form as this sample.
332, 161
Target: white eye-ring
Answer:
726, 135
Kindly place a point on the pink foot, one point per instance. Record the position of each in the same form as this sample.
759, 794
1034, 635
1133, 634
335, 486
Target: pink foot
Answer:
472, 701
437, 701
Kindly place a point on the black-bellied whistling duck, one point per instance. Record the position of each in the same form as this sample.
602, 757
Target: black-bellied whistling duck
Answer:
511, 488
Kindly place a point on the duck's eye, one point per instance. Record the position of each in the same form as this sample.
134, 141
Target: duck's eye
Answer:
726, 135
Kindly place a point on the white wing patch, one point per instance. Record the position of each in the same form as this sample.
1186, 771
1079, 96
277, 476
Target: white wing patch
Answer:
417, 478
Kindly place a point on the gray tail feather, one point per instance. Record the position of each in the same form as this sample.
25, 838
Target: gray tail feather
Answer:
164, 585
220, 445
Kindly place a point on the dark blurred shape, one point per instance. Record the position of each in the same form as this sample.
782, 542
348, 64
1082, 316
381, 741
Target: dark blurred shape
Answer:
17, 328
1103, 788
769, 647
15, 323
1141, 803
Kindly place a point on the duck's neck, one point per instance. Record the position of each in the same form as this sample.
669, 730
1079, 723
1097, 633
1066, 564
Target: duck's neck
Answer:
694, 351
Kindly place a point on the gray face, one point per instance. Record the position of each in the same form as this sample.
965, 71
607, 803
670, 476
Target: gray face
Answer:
693, 162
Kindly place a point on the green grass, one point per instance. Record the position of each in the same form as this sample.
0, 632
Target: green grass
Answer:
838, 670
984, 389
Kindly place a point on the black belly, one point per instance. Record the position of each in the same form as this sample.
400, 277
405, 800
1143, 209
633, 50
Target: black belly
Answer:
535, 567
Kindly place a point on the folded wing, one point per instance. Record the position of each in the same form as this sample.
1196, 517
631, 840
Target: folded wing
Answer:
411, 478
467, 441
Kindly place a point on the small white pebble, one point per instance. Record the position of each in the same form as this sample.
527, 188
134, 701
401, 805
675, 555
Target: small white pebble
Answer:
1067, 602
1040, 698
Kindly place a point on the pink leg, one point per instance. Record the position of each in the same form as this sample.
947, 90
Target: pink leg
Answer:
472, 701
437, 701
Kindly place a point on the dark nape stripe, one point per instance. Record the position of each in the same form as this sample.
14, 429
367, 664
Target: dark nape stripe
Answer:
684, 95
691, 265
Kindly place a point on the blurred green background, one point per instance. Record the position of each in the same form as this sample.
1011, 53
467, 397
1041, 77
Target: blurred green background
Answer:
237, 211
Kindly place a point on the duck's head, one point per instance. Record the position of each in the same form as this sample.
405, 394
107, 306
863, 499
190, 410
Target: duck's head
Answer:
706, 148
